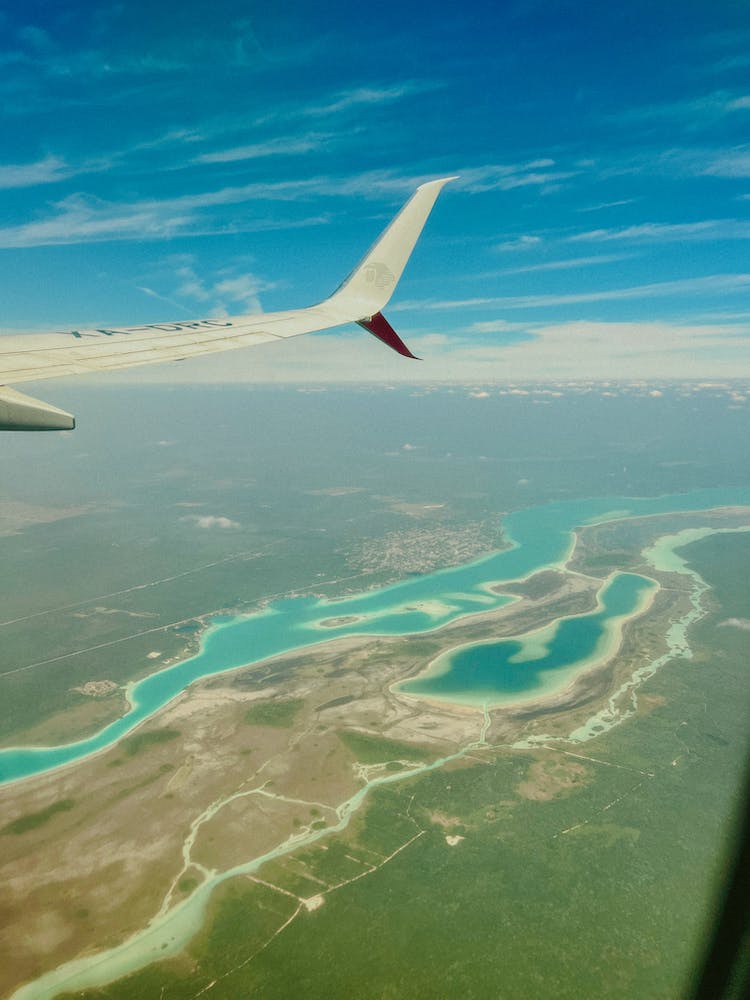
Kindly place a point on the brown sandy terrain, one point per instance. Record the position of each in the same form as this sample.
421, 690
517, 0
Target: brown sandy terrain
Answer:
98, 869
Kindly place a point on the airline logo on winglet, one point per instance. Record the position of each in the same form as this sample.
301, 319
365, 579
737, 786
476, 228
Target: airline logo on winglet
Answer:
378, 274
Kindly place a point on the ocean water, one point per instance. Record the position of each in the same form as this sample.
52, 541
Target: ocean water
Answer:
538, 537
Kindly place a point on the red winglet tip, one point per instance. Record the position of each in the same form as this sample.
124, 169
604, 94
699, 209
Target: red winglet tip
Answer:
379, 327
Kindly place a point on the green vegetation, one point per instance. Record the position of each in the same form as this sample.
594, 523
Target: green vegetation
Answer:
280, 714
34, 820
610, 561
370, 749
335, 702
340, 862
187, 883
600, 889
536, 586
143, 741
149, 779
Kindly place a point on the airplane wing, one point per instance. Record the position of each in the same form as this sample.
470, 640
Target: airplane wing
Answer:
359, 299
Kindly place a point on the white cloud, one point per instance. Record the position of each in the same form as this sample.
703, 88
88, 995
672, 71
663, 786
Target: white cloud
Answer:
347, 100
80, 219
243, 289
435, 340
224, 293
47, 171
579, 352
608, 204
734, 163
709, 229
284, 146
519, 243
682, 286
506, 177
209, 521
566, 265
691, 113
496, 326
741, 623
619, 350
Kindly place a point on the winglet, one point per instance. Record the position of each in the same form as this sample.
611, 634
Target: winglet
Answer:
370, 285
379, 327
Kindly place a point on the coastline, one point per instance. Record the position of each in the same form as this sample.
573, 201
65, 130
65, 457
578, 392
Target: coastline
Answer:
550, 543
181, 922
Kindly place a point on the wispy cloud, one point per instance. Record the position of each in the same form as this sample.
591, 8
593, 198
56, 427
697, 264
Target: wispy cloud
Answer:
80, 219
283, 146
731, 162
692, 112
707, 284
646, 232
495, 326
566, 265
232, 45
226, 292
519, 243
734, 163
54, 169
52, 62
731, 63
608, 204
45, 171
506, 177
348, 100
45, 68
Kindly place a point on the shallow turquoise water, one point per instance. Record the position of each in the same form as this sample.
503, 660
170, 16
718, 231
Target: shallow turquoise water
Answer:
487, 671
541, 536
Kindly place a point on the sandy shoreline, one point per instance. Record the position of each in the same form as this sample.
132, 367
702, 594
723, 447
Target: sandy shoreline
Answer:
607, 648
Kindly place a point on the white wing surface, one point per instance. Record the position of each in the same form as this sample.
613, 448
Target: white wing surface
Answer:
359, 299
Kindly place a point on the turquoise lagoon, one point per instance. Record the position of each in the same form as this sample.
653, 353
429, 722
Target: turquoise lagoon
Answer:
520, 668
537, 537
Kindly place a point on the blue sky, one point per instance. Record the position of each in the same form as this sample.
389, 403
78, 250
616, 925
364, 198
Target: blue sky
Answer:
164, 161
